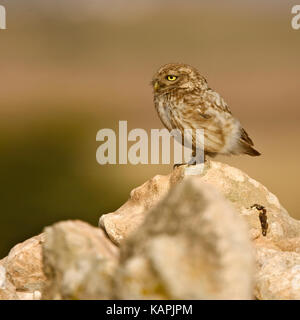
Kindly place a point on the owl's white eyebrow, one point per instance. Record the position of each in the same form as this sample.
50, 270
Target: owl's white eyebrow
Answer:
185, 70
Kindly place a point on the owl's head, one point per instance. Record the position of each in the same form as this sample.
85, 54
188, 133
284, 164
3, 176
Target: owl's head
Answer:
174, 76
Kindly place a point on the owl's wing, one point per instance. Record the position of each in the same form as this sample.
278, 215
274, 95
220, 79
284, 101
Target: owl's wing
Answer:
207, 102
216, 100
209, 111
219, 102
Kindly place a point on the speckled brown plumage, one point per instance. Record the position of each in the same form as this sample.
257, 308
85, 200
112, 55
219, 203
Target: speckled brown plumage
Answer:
184, 100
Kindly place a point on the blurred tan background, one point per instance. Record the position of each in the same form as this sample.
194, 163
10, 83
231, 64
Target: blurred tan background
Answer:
70, 68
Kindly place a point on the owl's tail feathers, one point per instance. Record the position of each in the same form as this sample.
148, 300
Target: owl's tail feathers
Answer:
248, 149
246, 144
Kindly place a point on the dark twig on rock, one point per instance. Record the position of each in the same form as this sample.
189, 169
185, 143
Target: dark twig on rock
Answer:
262, 217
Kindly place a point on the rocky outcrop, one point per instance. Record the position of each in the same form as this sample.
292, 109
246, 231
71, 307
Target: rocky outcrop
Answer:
282, 235
242, 191
79, 261
194, 234
120, 224
278, 269
192, 245
21, 272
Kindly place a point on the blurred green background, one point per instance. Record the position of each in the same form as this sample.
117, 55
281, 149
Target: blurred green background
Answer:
70, 68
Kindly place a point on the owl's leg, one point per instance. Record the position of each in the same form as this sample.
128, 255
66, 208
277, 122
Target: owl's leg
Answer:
196, 158
176, 165
190, 163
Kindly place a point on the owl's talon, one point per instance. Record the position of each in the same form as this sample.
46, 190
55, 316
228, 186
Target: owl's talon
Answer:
192, 163
177, 165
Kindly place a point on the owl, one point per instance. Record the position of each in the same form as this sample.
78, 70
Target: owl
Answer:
184, 100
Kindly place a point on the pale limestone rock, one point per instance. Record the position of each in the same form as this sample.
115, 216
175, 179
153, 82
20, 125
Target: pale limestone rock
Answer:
24, 265
278, 270
7, 289
27, 296
21, 272
79, 261
127, 218
283, 234
2, 275
235, 185
192, 245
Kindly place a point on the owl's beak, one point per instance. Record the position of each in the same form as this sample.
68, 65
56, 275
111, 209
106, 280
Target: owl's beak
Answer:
156, 86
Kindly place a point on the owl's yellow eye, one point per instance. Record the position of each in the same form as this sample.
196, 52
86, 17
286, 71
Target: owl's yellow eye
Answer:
171, 78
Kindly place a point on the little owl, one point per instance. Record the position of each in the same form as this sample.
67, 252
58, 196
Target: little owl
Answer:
184, 100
